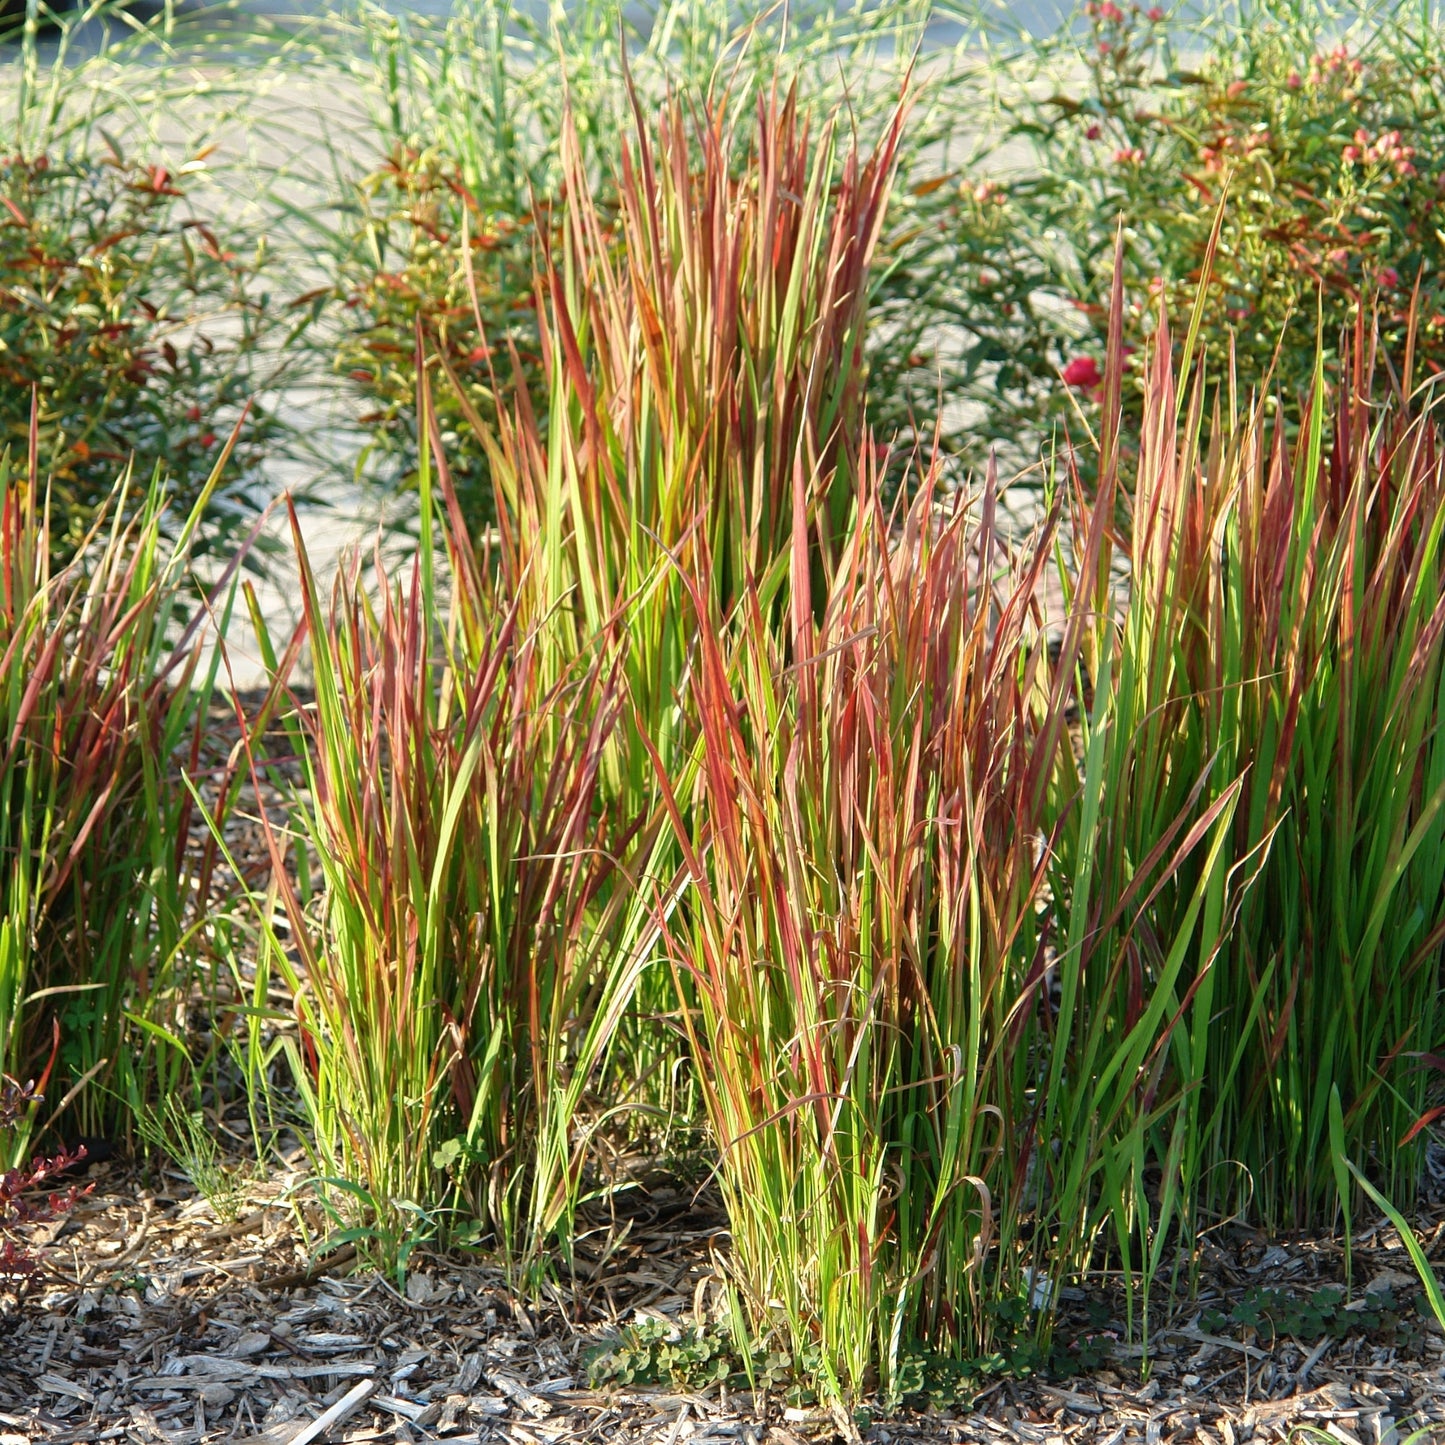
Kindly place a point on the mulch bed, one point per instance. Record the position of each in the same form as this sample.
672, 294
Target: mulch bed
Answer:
156, 1322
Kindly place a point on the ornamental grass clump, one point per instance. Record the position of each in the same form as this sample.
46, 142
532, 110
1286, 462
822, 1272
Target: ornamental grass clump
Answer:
932, 1075
476, 930
852, 774
999, 962
1285, 628
700, 340
479, 800
103, 697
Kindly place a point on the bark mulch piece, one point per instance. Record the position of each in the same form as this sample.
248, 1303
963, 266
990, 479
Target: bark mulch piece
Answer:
158, 1322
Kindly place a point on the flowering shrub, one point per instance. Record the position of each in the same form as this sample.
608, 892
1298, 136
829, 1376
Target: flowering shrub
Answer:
406, 268
137, 328
1326, 157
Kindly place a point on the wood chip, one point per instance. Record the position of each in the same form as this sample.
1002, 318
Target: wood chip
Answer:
407, 1409
343, 1409
470, 1374
1340, 1434
517, 1392
1071, 1400
59, 1385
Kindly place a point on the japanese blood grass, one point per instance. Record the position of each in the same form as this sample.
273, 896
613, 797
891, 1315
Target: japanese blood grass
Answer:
699, 342
473, 115
480, 922
1285, 621
697, 345
103, 700
910, 1131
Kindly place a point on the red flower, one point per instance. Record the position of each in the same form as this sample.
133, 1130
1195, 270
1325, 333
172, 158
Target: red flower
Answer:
1110, 12
1093, 132
209, 440
1083, 372
1390, 277
1156, 14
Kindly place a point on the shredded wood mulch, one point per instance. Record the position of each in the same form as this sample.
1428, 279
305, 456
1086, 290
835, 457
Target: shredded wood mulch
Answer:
155, 1321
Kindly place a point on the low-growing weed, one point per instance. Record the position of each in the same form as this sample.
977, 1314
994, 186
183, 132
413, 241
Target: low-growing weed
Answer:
188, 1138
20, 1209
928, 1378
1274, 1313
655, 1351
697, 1357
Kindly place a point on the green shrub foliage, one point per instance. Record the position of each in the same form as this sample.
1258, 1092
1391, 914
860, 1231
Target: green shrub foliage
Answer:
136, 328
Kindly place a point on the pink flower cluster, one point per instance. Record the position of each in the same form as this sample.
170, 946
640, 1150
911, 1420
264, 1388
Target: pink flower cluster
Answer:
984, 193
1387, 148
1338, 61
1217, 155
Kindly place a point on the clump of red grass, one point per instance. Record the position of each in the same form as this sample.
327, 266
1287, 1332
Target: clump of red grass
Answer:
102, 693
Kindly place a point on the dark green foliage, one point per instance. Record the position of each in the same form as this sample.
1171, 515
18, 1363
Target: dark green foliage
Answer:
1382, 1315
